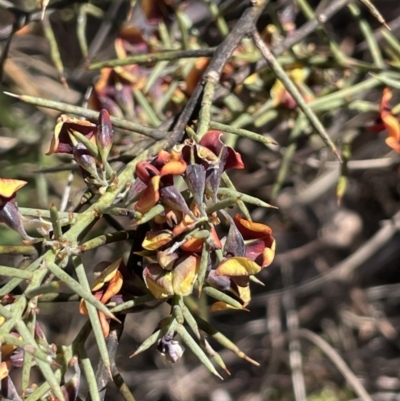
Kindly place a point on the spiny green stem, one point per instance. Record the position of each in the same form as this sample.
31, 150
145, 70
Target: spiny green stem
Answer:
89, 114
374, 11
220, 21
366, 30
93, 315
54, 51
244, 133
106, 239
205, 111
153, 57
55, 221
18, 250
14, 272
240, 203
292, 89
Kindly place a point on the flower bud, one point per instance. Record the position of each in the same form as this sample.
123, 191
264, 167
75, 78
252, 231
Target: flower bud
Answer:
170, 348
104, 135
171, 197
9, 215
196, 181
85, 160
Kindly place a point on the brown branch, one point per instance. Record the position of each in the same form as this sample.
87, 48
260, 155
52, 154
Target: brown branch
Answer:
244, 26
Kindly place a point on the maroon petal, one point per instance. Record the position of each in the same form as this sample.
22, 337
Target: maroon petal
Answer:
196, 181
212, 141
9, 215
171, 197
137, 187
222, 283
104, 134
145, 171
8, 390
85, 160
254, 248
213, 180
234, 244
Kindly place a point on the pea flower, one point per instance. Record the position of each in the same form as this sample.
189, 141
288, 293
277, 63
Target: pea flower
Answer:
62, 141
158, 182
215, 157
163, 283
249, 248
9, 212
106, 285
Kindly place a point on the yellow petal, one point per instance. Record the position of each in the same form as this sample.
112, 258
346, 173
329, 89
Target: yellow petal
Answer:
237, 266
8, 187
113, 287
245, 294
106, 275
4, 369
184, 275
158, 281
82, 308
156, 239
105, 326
6, 350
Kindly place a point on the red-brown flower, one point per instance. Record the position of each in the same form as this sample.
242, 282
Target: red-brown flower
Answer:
62, 141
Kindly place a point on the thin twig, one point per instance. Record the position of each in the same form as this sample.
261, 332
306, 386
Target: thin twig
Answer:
351, 378
153, 57
292, 321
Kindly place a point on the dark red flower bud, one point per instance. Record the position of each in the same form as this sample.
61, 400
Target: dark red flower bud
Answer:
234, 244
104, 135
9, 215
85, 160
171, 197
196, 181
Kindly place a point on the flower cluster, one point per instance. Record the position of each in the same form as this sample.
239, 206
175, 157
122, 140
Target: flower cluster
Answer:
178, 192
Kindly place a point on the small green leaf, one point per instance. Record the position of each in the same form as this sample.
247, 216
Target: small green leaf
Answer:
223, 340
189, 341
220, 296
75, 286
146, 344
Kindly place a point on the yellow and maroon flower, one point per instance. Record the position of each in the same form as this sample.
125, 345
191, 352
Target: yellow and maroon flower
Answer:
157, 177
280, 95
258, 240
214, 156
9, 212
106, 286
6, 364
179, 280
249, 247
62, 141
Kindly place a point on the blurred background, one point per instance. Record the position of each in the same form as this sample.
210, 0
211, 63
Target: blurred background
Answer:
333, 291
